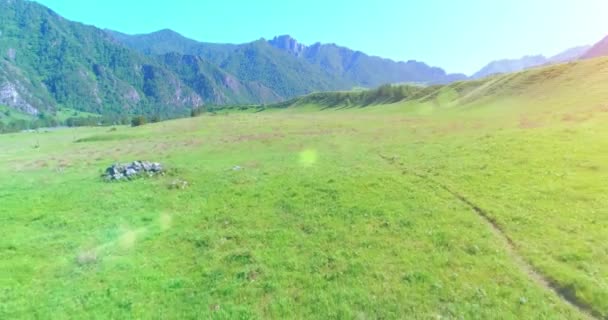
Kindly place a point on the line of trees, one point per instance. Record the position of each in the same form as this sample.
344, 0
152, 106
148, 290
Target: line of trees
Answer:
41, 121
46, 121
50, 122
383, 94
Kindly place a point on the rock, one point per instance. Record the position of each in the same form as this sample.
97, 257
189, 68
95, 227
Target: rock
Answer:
237, 168
137, 165
157, 167
133, 170
147, 166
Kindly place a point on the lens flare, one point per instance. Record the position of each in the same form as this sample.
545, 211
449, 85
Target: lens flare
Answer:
165, 221
308, 157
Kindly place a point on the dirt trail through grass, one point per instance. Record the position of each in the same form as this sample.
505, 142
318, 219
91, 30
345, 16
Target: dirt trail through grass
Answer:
565, 293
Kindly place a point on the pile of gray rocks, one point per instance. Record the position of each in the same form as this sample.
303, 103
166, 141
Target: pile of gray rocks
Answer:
133, 170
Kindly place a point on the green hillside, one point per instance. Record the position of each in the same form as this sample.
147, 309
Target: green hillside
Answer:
470, 200
258, 61
216, 85
49, 61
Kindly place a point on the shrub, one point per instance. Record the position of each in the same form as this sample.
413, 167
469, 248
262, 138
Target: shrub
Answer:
155, 119
196, 112
138, 121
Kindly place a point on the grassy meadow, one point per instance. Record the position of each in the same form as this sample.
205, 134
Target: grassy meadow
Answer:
482, 200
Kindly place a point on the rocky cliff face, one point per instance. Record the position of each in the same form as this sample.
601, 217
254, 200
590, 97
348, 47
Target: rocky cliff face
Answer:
18, 91
10, 96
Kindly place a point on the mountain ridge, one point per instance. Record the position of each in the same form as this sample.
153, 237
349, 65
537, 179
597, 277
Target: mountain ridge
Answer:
355, 67
529, 61
598, 50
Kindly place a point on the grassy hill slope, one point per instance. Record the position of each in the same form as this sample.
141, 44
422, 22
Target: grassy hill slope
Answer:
478, 199
549, 90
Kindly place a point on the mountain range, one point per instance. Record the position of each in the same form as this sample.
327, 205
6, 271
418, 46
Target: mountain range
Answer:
47, 62
527, 62
272, 63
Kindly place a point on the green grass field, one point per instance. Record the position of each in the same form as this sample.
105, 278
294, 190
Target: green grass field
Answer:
483, 200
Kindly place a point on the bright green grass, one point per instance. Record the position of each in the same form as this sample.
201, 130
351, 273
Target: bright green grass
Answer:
317, 224
63, 114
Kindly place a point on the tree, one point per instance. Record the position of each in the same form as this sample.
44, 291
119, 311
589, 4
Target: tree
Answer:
138, 121
155, 119
196, 112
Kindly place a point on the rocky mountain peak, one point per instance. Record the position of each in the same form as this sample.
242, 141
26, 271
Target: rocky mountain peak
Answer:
289, 44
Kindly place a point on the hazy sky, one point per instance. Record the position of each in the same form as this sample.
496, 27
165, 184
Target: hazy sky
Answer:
458, 35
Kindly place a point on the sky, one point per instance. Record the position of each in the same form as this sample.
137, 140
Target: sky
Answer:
457, 35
